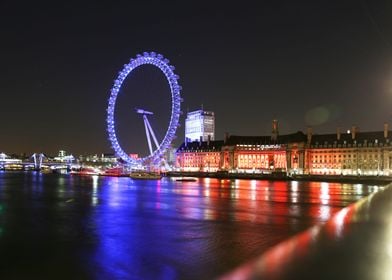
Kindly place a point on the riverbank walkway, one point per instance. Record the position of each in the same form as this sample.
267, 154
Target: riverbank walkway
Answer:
356, 243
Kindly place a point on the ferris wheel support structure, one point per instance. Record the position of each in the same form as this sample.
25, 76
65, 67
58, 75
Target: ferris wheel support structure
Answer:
148, 129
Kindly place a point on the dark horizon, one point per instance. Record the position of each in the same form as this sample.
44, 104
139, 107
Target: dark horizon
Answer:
326, 65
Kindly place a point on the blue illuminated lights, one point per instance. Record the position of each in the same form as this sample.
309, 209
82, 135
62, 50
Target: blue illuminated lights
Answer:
162, 63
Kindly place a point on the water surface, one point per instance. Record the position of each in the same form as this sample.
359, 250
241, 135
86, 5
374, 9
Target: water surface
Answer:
75, 227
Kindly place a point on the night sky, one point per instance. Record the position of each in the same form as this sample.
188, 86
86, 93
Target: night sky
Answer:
305, 63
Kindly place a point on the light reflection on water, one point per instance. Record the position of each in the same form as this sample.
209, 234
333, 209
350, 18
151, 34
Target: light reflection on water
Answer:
116, 228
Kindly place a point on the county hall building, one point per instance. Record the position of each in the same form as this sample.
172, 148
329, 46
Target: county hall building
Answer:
349, 153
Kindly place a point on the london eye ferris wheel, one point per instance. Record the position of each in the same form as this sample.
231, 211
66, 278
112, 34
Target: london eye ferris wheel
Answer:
156, 148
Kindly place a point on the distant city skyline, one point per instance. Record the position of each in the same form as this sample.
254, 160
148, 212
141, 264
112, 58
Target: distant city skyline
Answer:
324, 64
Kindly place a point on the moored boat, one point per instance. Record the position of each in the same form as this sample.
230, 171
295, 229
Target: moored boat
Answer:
114, 172
85, 171
145, 175
188, 179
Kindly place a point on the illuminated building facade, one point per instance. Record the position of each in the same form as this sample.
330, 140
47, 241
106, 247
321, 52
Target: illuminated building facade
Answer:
264, 154
103, 158
199, 156
200, 125
248, 154
63, 157
351, 153
7, 162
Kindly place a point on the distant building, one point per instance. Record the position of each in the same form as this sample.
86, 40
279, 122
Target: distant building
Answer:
62, 153
9, 163
63, 157
134, 156
199, 124
102, 159
108, 158
5, 159
170, 156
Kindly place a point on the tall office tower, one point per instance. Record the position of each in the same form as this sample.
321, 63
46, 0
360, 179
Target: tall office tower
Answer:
199, 124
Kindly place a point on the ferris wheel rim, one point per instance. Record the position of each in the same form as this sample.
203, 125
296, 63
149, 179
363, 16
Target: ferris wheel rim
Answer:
158, 60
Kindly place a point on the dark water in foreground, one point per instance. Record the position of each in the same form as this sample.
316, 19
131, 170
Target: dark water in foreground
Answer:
70, 227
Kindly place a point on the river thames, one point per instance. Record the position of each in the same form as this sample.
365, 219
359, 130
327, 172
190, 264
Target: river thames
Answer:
88, 227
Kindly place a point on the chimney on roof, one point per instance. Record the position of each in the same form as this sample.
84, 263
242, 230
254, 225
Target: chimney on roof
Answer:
309, 134
338, 133
201, 140
385, 130
275, 130
208, 140
226, 137
353, 131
